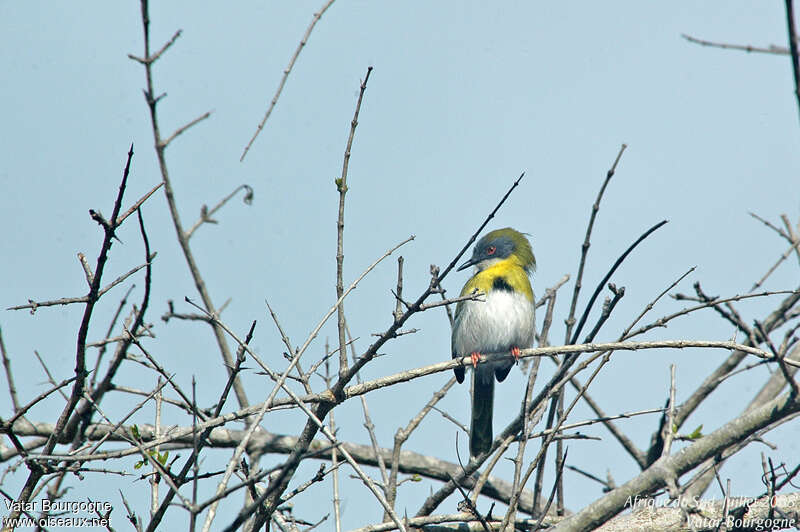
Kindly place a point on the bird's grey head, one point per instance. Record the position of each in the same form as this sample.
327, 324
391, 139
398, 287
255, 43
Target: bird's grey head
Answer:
499, 245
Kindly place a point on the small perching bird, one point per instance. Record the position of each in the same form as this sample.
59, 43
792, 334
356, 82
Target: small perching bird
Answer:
502, 321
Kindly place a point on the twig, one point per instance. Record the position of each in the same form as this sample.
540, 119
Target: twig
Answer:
548, 316
537, 462
475, 296
199, 443
149, 59
557, 483
626, 442
33, 305
527, 421
398, 311
651, 304
290, 351
341, 186
101, 352
182, 438
19, 412
787, 373
355, 390
152, 103
470, 505
334, 455
608, 308
547, 294
206, 214
435, 282
265, 515
87, 270
569, 360
370, 426
465, 517
606, 485
771, 49
402, 435
795, 238
280, 484
138, 204
196, 465
575, 349
80, 352
608, 275
668, 432
167, 377
114, 427
774, 227
662, 322
131, 515
549, 388
452, 420
183, 128
251, 480
570, 322
772, 321
12, 389
792, 34
154, 480
50, 378
286, 72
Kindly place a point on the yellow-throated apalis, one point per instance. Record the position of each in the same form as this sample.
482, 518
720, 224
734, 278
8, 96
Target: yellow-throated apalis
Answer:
502, 321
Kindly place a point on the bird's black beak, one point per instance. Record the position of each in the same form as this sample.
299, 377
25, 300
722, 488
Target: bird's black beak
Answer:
470, 262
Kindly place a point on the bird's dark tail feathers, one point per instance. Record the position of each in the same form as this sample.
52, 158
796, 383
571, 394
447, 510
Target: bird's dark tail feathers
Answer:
480, 430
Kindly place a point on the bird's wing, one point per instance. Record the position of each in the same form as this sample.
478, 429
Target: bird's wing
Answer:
471, 285
459, 371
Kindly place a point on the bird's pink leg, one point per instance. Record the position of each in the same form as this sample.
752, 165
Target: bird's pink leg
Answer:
515, 352
475, 356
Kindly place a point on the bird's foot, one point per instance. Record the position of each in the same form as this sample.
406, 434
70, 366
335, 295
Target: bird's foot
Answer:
475, 356
515, 352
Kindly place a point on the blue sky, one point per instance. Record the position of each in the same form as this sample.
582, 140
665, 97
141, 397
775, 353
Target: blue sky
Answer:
464, 97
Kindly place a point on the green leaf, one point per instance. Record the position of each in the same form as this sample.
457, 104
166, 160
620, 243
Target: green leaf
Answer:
697, 433
135, 432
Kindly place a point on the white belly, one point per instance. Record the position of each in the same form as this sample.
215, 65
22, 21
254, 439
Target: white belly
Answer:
503, 321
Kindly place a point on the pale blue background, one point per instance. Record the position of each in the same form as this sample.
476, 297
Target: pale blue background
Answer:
464, 97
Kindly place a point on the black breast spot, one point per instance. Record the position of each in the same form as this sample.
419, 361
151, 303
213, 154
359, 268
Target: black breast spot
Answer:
501, 284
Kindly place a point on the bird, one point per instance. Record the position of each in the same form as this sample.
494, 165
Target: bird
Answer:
502, 321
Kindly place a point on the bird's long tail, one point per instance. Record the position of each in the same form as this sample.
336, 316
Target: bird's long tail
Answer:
480, 431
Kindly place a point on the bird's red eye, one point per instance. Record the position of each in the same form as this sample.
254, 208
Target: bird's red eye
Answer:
490, 250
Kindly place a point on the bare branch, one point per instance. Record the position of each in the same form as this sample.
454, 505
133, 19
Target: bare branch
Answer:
150, 59
586, 243
668, 432
206, 214
792, 35
36, 473
341, 186
183, 128
12, 389
138, 204
771, 49
608, 275
19, 412
169, 193
286, 71
656, 476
